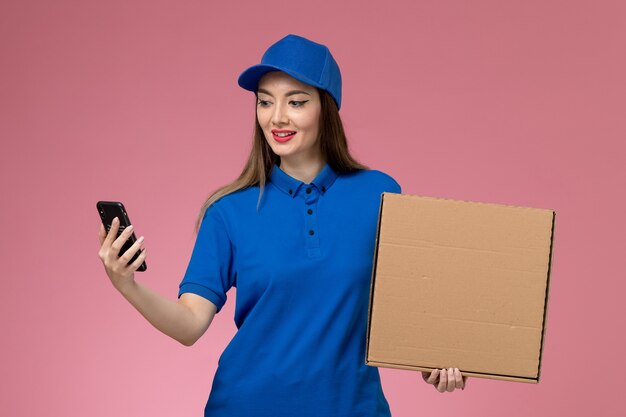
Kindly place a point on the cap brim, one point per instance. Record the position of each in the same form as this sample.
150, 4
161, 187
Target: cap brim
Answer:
249, 79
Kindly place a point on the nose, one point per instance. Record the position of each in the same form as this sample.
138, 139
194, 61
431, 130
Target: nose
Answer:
280, 115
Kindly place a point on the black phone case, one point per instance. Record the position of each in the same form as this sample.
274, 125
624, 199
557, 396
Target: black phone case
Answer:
108, 210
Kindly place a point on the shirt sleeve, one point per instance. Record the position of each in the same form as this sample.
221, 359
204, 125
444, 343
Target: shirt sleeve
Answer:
396, 188
210, 269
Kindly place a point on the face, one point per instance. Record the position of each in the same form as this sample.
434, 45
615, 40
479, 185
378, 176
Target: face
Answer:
288, 112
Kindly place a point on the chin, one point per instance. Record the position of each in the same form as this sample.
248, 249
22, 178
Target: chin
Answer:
283, 153
278, 148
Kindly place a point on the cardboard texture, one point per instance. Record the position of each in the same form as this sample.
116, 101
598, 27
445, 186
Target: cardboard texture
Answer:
460, 284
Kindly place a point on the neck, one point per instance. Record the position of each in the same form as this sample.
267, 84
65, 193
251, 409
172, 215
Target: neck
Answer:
305, 172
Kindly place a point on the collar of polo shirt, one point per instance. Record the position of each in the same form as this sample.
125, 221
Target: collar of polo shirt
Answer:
290, 185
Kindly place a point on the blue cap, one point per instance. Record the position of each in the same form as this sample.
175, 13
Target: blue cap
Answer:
306, 61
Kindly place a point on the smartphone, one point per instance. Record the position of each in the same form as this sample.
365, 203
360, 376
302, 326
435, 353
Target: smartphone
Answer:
108, 210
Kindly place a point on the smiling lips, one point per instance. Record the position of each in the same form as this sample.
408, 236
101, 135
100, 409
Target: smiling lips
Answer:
282, 135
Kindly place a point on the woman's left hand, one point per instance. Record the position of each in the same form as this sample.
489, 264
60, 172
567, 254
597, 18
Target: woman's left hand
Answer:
445, 379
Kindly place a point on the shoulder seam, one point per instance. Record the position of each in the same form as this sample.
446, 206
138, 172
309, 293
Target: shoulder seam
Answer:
221, 217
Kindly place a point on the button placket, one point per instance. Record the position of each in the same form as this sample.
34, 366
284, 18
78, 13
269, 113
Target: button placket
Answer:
311, 197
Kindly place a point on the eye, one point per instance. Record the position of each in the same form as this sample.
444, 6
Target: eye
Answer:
298, 103
262, 103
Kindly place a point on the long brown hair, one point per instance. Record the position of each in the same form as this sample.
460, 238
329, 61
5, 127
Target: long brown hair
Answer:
333, 145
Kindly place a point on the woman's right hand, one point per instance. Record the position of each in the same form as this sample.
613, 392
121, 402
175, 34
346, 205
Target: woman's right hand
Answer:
121, 274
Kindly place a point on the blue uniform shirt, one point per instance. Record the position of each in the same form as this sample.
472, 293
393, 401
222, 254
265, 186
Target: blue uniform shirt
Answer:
302, 267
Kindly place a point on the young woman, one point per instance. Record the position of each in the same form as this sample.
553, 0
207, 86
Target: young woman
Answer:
295, 234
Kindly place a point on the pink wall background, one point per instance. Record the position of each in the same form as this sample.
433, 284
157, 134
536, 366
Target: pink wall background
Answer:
514, 102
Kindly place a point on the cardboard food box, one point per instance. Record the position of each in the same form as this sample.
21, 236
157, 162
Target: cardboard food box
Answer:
460, 284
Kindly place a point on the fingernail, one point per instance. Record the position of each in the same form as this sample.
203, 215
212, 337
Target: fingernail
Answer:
115, 220
130, 227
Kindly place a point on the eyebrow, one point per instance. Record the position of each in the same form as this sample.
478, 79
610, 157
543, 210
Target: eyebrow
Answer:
290, 93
